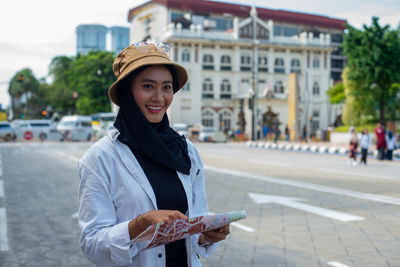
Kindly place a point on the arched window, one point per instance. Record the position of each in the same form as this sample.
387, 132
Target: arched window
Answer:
226, 62
245, 62
208, 62
315, 88
315, 63
295, 65
225, 121
279, 65
185, 55
263, 63
225, 89
208, 88
278, 88
207, 118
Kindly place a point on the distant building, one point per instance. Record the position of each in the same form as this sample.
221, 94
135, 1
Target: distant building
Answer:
119, 38
90, 38
214, 41
93, 37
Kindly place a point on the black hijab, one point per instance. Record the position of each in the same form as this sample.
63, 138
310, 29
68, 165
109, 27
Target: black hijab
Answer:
156, 141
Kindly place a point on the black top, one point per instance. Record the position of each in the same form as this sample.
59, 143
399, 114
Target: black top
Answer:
170, 195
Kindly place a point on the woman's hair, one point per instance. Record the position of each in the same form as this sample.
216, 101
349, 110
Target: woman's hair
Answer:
127, 81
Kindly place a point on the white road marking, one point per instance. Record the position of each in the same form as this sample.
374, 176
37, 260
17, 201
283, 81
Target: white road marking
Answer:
62, 154
376, 176
337, 264
239, 225
292, 203
268, 162
75, 215
309, 186
1, 188
3, 230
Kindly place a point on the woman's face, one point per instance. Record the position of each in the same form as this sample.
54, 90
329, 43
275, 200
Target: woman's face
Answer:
153, 92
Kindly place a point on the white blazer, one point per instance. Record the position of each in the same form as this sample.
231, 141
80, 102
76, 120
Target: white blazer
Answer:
114, 190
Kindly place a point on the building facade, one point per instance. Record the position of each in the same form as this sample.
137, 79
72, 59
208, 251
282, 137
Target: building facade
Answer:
239, 60
93, 37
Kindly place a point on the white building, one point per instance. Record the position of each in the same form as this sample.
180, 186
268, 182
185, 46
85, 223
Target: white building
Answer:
214, 41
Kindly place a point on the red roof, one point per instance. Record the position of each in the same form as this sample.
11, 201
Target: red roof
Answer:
206, 7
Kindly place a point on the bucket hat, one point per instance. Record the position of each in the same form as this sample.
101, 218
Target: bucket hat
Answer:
141, 54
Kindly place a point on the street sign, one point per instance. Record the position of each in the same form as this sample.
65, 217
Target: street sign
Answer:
28, 135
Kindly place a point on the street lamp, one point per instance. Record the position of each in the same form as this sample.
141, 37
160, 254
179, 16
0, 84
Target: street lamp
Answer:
253, 14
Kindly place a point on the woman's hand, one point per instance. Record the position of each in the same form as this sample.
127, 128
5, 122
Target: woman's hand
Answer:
214, 235
141, 222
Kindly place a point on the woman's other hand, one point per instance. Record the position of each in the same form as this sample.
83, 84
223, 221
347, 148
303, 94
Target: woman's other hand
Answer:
141, 222
214, 235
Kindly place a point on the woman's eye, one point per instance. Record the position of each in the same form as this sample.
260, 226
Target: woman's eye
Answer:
149, 86
168, 87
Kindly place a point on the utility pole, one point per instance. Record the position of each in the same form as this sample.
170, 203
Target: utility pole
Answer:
253, 14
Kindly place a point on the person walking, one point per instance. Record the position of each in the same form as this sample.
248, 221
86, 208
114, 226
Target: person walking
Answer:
391, 145
143, 172
287, 132
353, 146
365, 142
380, 141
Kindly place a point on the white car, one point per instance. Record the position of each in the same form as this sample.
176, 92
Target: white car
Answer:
206, 134
181, 129
32, 129
75, 128
6, 131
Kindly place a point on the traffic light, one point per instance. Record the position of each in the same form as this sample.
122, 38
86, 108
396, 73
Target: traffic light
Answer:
21, 78
44, 113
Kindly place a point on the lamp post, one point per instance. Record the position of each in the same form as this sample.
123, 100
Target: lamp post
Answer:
253, 14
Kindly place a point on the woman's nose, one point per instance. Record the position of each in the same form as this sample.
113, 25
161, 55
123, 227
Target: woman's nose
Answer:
157, 94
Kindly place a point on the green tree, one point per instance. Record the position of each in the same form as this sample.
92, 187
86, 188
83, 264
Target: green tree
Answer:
373, 66
24, 90
90, 76
336, 94
59, 95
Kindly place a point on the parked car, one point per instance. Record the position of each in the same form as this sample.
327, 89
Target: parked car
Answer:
31, 129
181, 129
75, 128
7, 133
206, 134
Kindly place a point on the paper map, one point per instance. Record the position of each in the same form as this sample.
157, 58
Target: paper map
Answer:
164, 233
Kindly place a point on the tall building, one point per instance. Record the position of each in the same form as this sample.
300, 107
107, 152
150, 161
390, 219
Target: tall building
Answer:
90, 37
239, 60
93, 37
119, 38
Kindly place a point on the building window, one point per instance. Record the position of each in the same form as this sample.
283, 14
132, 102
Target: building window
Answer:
225, 89
263, 64
279, 65
208, 62
278, 88
225, 121
315, 88
277, 30
185, 55
207, 118
245, 62
226, 62
176, 53
196, 53
186, 88
295, 66
315, 63
290, 31
208, 89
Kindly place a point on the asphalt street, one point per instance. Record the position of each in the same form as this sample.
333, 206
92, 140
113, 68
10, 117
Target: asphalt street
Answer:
303, 209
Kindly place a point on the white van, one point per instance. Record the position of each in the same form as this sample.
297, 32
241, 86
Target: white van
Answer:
32, 129
75, 128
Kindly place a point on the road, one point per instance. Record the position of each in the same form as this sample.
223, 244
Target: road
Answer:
303, 209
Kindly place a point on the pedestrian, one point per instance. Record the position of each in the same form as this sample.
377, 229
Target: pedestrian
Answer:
265, 131
287, 133
365, 142
391, 145
143, 172
353, 145
380, 141
304, 134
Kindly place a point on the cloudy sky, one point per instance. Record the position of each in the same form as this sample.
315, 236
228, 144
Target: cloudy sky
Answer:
33, 32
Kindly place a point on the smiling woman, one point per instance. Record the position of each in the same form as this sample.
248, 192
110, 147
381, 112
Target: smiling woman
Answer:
143, 172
